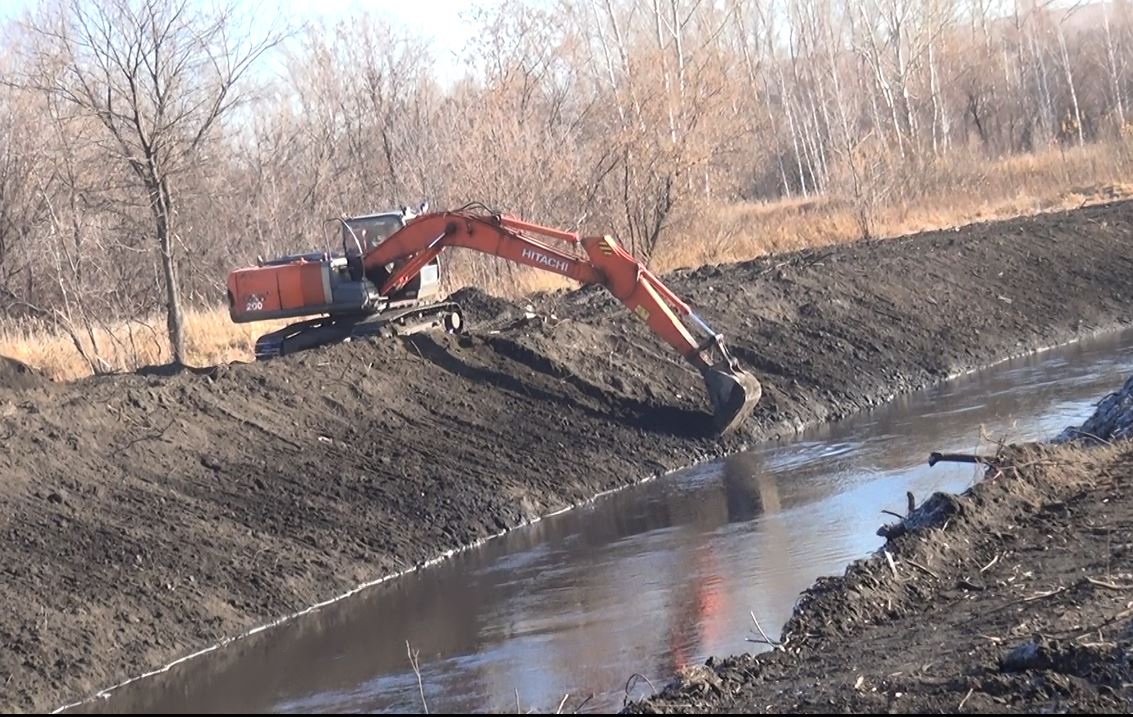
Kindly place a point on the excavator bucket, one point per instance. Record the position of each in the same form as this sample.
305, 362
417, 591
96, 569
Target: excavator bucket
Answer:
733, 393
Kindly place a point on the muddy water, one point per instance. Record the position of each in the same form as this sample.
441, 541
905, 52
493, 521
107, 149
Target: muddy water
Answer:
647, 580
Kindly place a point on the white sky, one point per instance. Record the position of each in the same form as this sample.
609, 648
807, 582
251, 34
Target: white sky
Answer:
443, 23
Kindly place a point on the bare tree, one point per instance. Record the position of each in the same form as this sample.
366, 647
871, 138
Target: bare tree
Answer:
1113, 67
159, 75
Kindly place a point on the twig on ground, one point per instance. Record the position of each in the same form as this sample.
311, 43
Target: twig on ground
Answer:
1104, 584
1028, 464
918, 566
892, 565
417, 671
961, 705
987, 567
1087, 434
583, 703
766, 639
1040, 596
559, 711
630, 682
1119, 616
1030, 598
149, 433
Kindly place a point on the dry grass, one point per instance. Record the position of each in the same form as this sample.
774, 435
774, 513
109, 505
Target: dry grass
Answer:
943, 194
210, 335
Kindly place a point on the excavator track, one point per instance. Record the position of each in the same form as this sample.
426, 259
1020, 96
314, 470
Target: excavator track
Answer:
323, 331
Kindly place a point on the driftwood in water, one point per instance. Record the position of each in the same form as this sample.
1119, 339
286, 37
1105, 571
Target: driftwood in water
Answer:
935, 457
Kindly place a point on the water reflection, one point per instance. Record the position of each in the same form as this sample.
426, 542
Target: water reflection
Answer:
648, 580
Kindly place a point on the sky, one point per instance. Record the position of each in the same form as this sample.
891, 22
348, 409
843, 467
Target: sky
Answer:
433, 19
441, 22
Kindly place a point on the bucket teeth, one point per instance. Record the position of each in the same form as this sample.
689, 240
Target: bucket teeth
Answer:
734, 394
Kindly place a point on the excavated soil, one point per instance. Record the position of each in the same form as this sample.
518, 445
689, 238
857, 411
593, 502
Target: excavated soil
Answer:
1016, 596
17, 375
144, 516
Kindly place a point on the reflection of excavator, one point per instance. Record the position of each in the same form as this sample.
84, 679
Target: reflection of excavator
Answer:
387, 278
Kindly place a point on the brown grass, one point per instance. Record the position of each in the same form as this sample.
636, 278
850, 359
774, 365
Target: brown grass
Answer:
210, 335
945, 194
940, 195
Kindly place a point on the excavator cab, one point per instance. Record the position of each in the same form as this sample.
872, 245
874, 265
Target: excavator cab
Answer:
363, 233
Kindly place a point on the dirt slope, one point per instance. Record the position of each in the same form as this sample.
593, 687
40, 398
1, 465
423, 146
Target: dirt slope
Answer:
17, 375
1015, 596
144, 517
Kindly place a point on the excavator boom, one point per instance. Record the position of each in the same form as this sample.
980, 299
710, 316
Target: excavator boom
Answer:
732, 391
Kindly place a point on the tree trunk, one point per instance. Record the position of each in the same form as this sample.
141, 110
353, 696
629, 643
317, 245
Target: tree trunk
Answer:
1073, 90
934, 90
1114, 72
174, 319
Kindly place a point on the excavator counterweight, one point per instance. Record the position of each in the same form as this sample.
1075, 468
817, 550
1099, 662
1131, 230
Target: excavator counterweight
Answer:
387, 278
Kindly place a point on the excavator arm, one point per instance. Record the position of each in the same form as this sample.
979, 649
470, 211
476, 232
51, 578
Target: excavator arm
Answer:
732, 391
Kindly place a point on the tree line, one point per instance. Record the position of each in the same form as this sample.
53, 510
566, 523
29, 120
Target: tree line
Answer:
147, 147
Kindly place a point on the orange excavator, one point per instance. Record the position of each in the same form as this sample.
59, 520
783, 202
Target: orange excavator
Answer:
386, 281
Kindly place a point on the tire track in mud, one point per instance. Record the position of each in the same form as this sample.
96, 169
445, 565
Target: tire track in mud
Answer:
125, 547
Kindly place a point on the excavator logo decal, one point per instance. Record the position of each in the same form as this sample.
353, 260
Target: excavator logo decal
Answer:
549, 261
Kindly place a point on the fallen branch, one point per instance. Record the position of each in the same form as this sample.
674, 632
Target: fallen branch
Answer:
987, 567
1087, 434
149, 433
961, 705
559, 711
1104, 584
1119, 616
918, 566
766, 639
1031, 598
937, 457
630, 682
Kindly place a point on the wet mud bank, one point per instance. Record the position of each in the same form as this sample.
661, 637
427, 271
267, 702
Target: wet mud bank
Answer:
145, 517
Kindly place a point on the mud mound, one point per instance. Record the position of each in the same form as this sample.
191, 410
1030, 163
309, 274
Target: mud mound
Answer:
18, 376
481, 308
